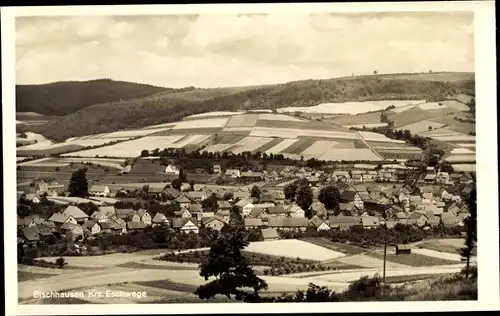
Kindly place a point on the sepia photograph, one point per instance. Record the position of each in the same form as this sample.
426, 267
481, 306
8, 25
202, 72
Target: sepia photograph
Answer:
212, 154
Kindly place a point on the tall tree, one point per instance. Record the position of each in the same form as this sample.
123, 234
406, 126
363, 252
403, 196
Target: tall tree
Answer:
290, 190
78, 184
176, 184
304, 198
471, 231
226, 263
182, 174
330, 197
255, 192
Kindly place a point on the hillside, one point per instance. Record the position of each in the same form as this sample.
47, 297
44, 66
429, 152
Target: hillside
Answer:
170, 107
62, 98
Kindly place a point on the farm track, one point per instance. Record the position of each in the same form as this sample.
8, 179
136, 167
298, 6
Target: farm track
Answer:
369, 146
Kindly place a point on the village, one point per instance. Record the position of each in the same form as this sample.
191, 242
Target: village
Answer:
371, 196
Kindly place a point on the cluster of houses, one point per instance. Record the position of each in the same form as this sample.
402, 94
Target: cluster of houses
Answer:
360, 205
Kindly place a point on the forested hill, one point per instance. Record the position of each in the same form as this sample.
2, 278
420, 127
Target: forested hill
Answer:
171, 107
63, 98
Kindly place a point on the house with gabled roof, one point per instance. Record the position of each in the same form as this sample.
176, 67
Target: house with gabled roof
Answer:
295, 211
159, 219
318, 209
318, 223
195, 208
270, 233
30, 233
442, 177
241, 195
171, 193
276, 211
353, 197
183, 201
449, 220
266, 197
144, 216
258, 212
214, 222
183, 213
224, 205
417, 219
196, 196
233, 173
225, 214
76, 213
246, 207
185, 225
25, 222
370, 222
138, 225
430, 178
253, 223
99, 190
288, 223
124, 213
437, 211
466, 179
432, 220
75, 229
343, 222
341, 176
91, 228
59, 219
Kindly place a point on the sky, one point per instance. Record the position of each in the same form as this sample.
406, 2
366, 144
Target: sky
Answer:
239, 50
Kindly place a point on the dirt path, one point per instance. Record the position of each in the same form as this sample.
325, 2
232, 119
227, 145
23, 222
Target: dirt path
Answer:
369, 146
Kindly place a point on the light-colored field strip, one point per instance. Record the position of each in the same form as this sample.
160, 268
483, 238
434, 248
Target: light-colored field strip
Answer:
245, 120
350, 107
206, 123
439, 254
350, 155
281, 146
250, 144
461, 158
403, 108
278, 117
432, 106
318, 148
294, 133
363, 260
131, 148
217, 148
467, 145
370, 125
375, 137
293, 248
350, 276
421, 126
457, 138
465, 167
215, 113
34, 162
407, 148
237, 129
190, 140
456, 151
21, 158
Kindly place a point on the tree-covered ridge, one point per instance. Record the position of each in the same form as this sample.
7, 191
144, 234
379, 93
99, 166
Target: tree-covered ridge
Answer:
63, 98
167, 107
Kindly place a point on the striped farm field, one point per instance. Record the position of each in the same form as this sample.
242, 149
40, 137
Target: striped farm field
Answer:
206, 123
190, 140
135, 133
211, 114
165, 126
457, 138
349, 155
302, 125
217, 148
228, 138
318, 148
49, 151
298, 147
359, 119
285, 143
249, 144
278, 117
464, 167
421, 126
269, 145
244, 120
469, 145
458, 151
246, 129
371, 125
131, 148
189, 131
461, 158
376, 137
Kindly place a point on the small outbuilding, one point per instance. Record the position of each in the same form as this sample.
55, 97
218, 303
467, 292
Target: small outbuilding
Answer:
403, 249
